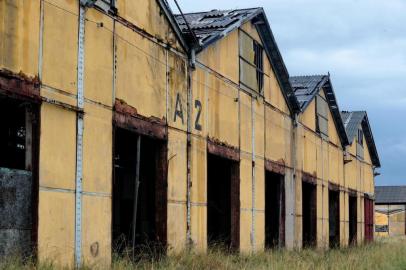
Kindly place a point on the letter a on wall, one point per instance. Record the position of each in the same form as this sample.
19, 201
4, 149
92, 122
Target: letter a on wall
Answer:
178, 109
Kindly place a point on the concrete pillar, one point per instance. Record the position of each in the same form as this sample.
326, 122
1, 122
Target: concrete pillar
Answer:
290, 191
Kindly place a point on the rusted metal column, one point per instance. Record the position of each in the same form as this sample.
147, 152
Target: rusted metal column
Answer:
137, 185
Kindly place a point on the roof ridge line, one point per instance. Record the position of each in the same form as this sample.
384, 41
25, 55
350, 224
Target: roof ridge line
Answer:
219, 10
313, 75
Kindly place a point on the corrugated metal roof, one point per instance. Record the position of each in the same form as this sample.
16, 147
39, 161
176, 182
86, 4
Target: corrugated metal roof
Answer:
211, 26
390, 195
306, 87
352, 122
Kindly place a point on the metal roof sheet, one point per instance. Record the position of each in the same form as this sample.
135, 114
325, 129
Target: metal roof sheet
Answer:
306, 89
352, 122
211, 26
208, 25
390, 195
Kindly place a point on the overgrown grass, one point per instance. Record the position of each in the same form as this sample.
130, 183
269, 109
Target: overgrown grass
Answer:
380, 255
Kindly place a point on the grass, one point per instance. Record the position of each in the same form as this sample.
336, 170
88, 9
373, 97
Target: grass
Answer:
387, 254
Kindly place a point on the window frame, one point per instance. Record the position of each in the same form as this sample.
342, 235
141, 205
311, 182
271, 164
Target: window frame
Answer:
108, 6
318, 114
360, 144
360, 138
258, 63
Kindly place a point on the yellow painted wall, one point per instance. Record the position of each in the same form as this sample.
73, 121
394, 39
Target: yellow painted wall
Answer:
147, 16
394, 216
19, 36
147, 76
324, 158
222, 111
222, 57
141, 73
199, 193
60, 72
381, 219
227, 116
99, 70
177, 184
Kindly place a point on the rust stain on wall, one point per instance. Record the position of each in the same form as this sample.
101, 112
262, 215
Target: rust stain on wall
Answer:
19, 85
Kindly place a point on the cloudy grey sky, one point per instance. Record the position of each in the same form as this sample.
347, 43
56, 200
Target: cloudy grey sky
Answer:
362, 43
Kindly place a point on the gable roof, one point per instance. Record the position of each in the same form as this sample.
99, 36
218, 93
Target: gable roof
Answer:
306, 89
163, 4
390, 195
352, 120
211, 26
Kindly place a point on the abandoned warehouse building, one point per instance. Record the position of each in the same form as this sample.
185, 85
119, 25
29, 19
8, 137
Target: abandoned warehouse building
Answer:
390, 211
138, 127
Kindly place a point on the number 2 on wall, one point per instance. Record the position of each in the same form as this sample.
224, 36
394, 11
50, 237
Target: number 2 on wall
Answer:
198, 106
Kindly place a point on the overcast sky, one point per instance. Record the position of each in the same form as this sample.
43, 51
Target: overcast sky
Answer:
362, 43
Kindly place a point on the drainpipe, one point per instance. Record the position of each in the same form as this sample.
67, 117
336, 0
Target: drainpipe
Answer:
294, 164
253, 240
191, 67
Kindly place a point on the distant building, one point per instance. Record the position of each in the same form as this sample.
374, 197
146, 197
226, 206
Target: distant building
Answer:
390, 211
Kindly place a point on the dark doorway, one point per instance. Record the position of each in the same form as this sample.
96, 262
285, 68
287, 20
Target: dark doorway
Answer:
334, 218
352, 204
309, 212
274, 210
18, 176
223, 202
139, 193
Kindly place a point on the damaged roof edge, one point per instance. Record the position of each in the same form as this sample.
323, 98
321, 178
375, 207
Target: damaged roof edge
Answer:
313, 85
371, 142
258, 17
353, 120
175, 26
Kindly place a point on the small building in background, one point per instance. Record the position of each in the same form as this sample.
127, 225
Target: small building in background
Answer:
390, 211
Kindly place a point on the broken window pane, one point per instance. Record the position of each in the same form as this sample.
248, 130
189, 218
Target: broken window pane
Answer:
248, 75
321, 116
251, 63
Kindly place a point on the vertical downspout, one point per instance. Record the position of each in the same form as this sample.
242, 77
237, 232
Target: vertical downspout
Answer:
79, 137
113, 135
114, 63
253, 242
323, 237
37, 130
190, 68
41, 40
294, 164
